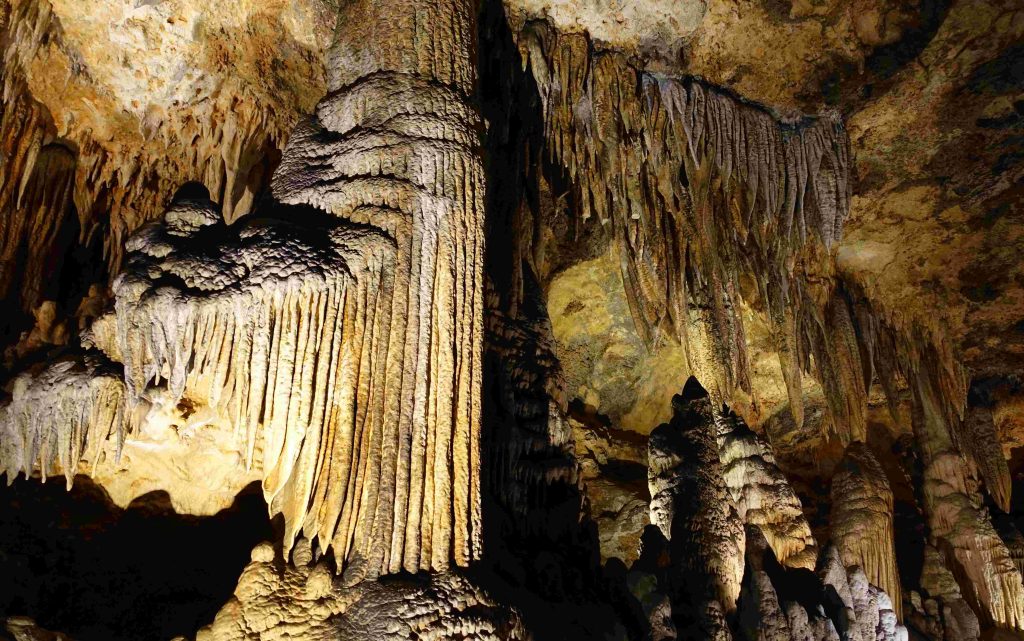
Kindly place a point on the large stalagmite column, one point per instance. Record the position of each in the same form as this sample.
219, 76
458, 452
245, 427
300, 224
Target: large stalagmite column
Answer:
395, 144
691, 505
862, 529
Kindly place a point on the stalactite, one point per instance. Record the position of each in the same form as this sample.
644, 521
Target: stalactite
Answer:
690, 503
64, 414
961, 528
977, 436
762, 494
861, 520
122, 181
699, 188
43, 207
35, 189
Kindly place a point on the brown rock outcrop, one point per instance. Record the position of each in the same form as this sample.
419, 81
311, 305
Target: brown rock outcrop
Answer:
307, 601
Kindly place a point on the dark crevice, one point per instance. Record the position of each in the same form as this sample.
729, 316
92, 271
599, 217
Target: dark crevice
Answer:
75, 562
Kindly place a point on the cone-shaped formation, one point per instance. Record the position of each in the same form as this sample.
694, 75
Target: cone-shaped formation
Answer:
691, 504
761, 615
762, 494
859, 610
942, 613
861, 521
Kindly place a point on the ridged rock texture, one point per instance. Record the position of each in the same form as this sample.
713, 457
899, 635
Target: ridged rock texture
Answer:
307, 601
395, 145
298, 332
861, 520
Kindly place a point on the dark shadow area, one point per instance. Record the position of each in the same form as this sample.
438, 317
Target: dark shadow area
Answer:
541, 550
75, 562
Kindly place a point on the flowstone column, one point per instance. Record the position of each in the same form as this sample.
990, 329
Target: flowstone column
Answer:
395, 145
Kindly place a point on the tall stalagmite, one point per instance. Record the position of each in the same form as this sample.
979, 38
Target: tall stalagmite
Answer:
861, 520
763, 496
691, 505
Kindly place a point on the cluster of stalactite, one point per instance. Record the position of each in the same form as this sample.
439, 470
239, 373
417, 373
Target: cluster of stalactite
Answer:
712, 200
35, 198
38, 181
60, 415
342, 333
342, 328
724, 578
116, 186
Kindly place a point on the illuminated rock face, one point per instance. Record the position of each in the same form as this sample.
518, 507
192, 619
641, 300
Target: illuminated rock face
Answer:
861, 520
440, 319
306, 601
691, 505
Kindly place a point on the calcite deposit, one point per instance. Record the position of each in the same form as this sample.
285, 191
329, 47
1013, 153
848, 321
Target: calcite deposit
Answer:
512, 319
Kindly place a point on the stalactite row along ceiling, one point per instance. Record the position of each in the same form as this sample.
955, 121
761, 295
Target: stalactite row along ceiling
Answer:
434, 274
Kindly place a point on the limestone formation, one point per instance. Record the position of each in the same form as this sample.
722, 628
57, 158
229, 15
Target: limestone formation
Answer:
690, 503
861, 520
762, 494
297, 337
307, 601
